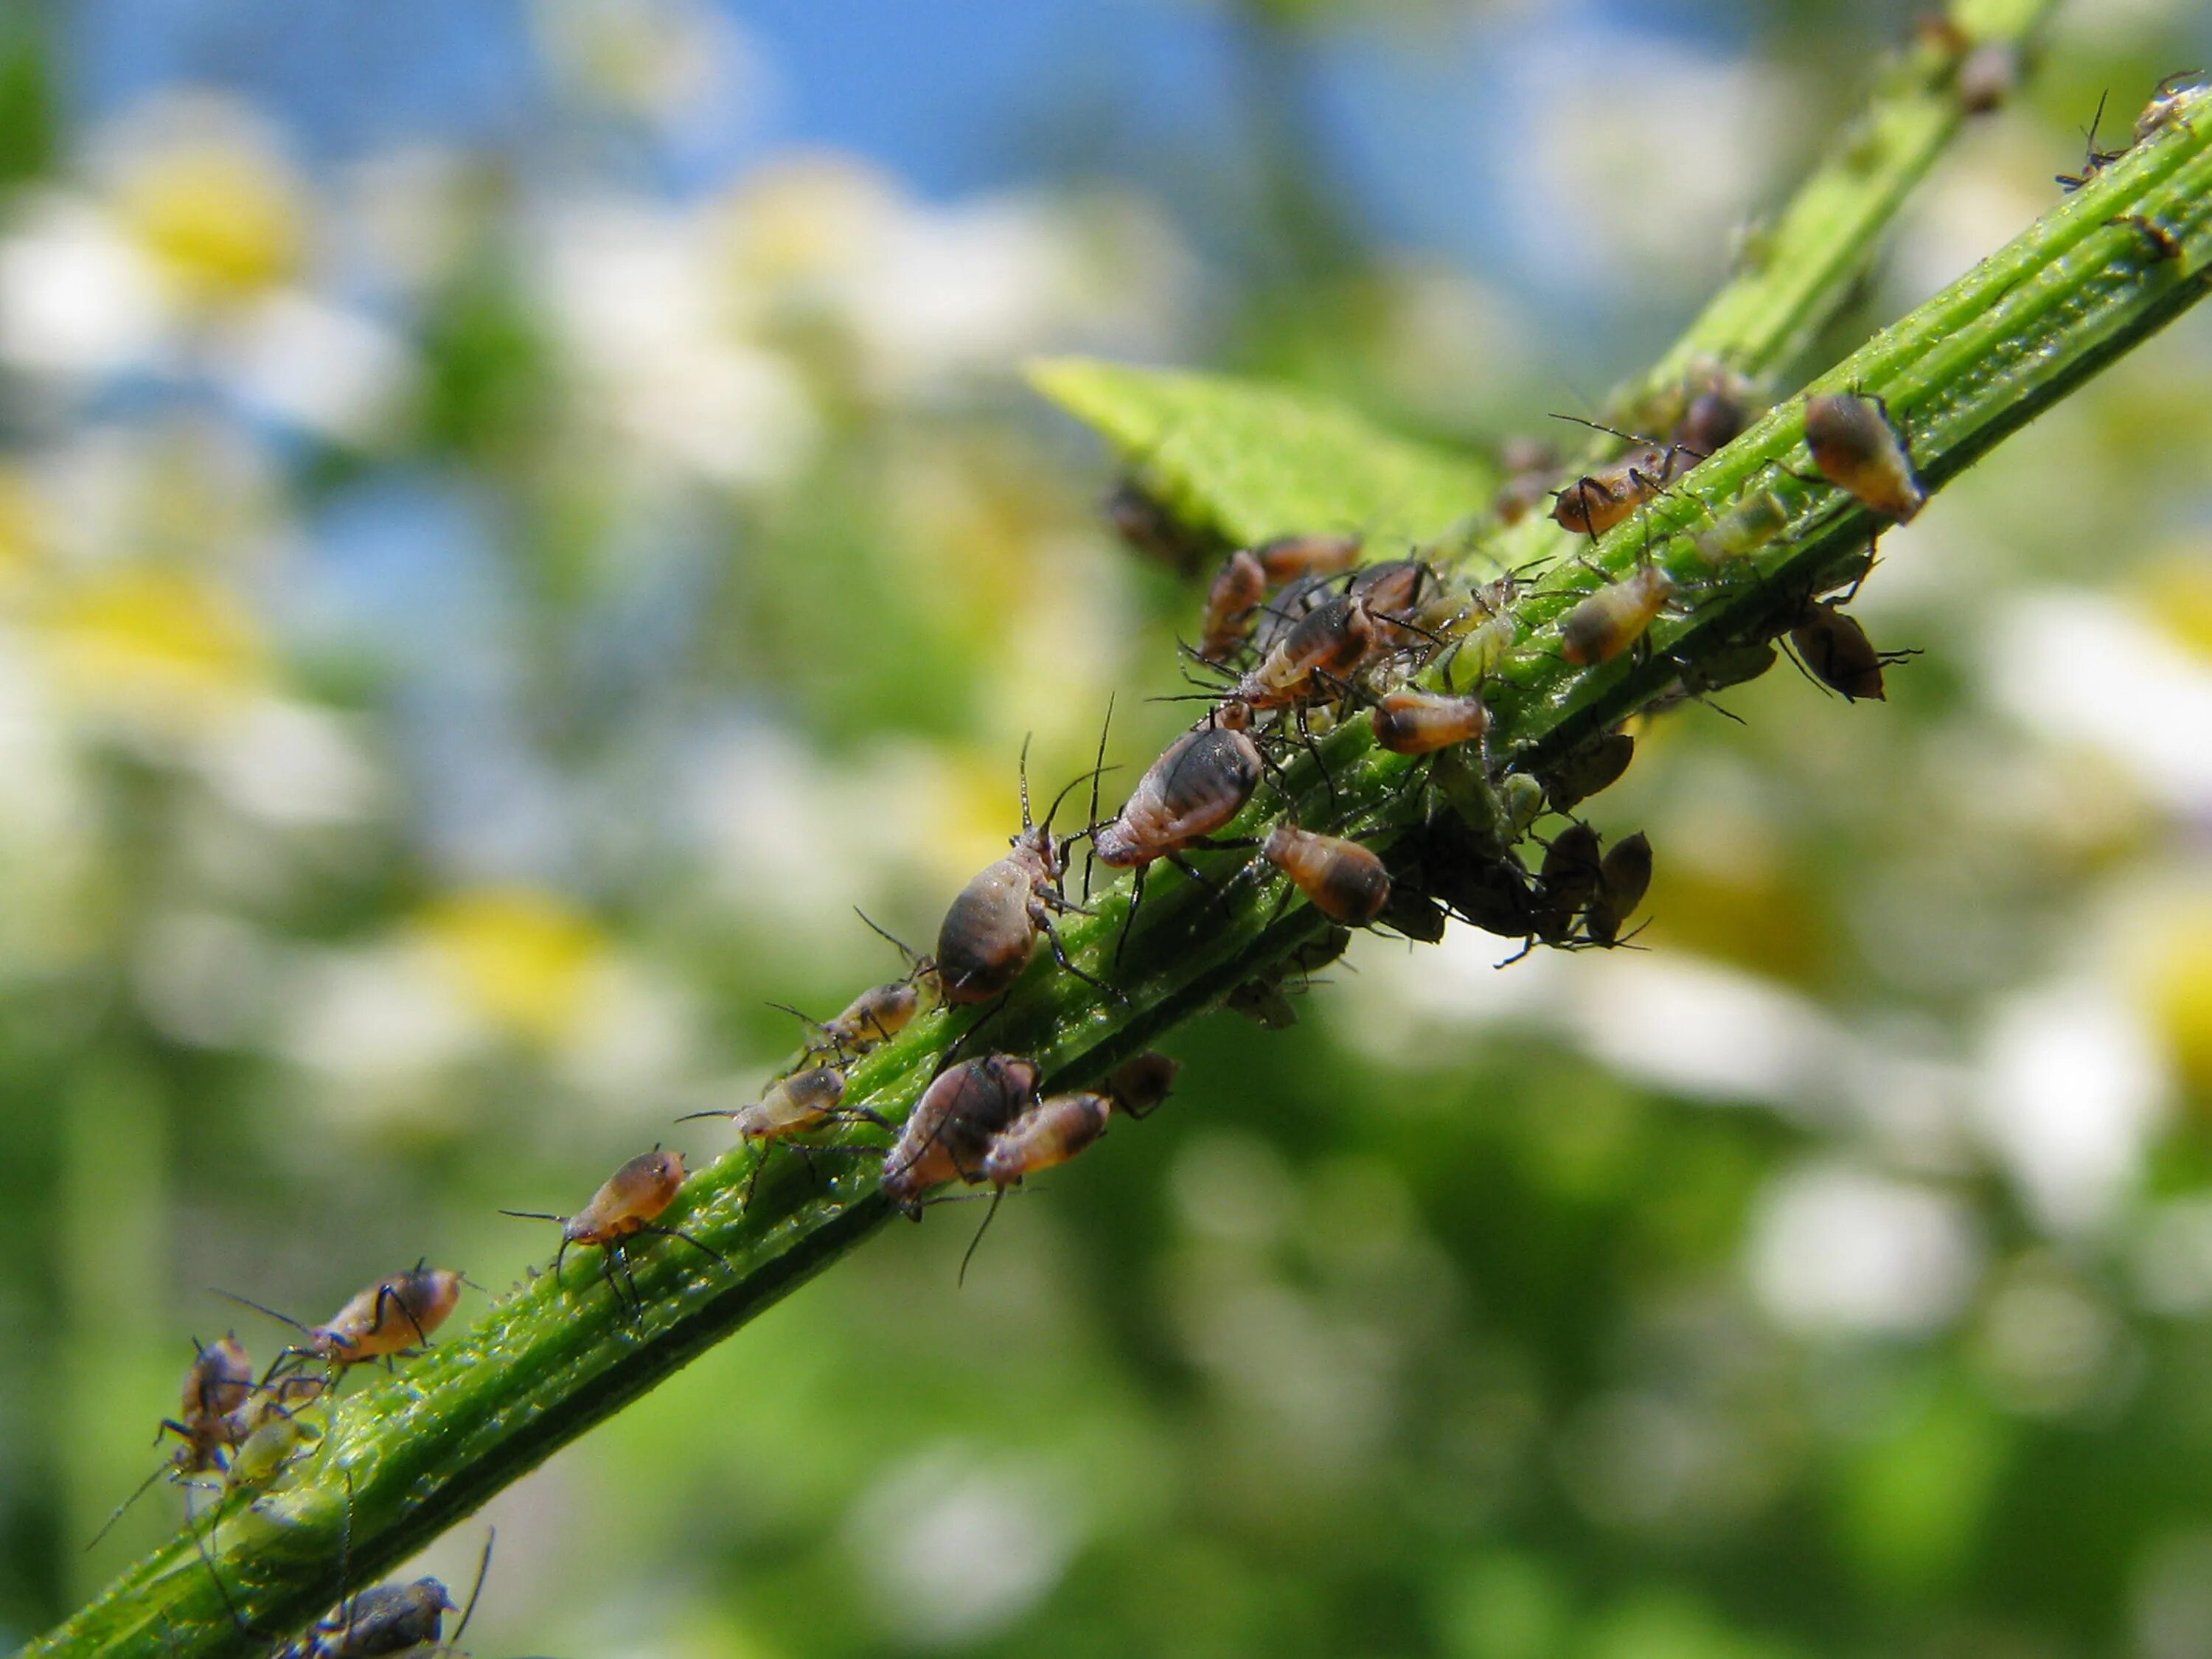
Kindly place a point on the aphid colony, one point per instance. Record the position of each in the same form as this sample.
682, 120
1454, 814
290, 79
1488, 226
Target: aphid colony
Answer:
1301, 639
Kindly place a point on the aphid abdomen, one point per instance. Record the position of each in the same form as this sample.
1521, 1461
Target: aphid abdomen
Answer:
1407, 721
1286, 558
1624, 877
635, 1195
1745, 528
390, 1316
1340, 878
988, 935
1044, 1137
1831, 643
1857, 449
946, 1135
1616, 616
1138, 1086
1237, 592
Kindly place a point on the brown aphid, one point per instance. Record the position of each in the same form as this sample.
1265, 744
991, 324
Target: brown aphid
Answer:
950, 1130
2166, 99
1590, 770
1139, 1085
1045, 1136
1857, 448
991, 930
1988, 77
1393, 594
1530, 465
1147, 524
630, 1202
872, 1019
1616, 616
385, 1322
789, 1106
1343, 880
1829, 642
218, 1385
1624, 877
1200, 784
1328, 643
1238, 589
1599, 500
1286, 558
1409, 721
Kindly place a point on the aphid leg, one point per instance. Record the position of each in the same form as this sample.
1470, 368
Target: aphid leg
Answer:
989, 1215
1136, 897
860, 1113
199, 1545
144, 1486
614, 1285
483, 1566
696, 1245
1059, 955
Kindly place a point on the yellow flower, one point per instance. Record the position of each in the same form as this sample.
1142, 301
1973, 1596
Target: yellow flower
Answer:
164, 645
527, 959
2180, 983
221, 219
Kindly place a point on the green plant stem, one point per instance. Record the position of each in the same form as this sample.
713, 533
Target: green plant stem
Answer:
408, 1455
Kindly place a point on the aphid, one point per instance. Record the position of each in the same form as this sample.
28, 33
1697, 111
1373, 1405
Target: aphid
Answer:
1988, 77
1238, 591
1857, 448
1288, 557
790, 1105
383, 1619
2094, 161
1139, 1085
1149, 525
1530, 465
1599, 500
1593, 768
1200, 783
1624, 877
949, 1131
390, 1619
1463, 868
1409, 721
1285, 609
629, 1203
1721, 405
217, 1384
1264, 1002
1616, 616
384, 1322
1343, 880
1050, 1132
1391, 594
1565, 881
1829, 642
1414, 913
285, 1416
1744, 528
1330, 642
2166, 99
1734, 665
991, 930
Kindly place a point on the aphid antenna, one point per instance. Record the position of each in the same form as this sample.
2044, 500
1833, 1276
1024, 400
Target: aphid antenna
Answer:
989, 1216
143, 1487
483, 1566
803, 1018
1097, 771
913, 959
247, 1302
686, 1118
1066, 789
1625, 437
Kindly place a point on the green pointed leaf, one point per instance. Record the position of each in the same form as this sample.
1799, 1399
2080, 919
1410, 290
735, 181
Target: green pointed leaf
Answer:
1251, 459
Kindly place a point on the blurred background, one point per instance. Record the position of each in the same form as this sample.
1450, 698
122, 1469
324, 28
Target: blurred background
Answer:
514, 518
